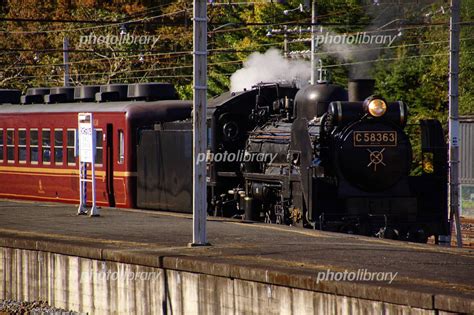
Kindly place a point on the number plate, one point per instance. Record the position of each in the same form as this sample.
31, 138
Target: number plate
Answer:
375, 138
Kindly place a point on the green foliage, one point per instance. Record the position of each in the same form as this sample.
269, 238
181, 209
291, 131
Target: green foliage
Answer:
235, 31
419, 75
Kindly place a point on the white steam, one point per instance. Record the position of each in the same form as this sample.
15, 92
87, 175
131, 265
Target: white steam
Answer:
270, 66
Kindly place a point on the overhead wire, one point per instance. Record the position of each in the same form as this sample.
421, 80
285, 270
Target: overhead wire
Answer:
239, 61
141, 70
144, 50
135, 56
170, 55
114, 80
98, 26
148, 19
390, 59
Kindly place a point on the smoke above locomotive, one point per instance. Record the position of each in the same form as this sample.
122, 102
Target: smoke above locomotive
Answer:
270, 66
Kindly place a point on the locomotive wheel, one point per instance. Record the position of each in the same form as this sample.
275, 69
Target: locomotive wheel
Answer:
417, 235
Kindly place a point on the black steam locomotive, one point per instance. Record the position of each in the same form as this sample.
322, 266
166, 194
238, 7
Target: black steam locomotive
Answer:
330, 159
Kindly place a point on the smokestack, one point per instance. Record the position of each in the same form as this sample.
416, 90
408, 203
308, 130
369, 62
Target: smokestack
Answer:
360, 89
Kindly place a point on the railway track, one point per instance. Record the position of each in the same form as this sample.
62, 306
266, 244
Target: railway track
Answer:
467, 230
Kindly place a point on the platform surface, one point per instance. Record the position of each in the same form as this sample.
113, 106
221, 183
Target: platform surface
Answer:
428, 276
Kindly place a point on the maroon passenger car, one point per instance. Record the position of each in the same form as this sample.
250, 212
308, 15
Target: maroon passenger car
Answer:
37, 141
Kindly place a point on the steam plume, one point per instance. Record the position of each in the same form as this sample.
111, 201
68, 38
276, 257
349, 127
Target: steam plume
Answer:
270, 66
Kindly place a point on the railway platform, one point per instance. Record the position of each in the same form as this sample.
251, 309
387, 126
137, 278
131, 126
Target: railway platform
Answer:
49, 253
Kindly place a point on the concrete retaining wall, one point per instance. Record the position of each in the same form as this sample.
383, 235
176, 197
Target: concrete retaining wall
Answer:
105, 287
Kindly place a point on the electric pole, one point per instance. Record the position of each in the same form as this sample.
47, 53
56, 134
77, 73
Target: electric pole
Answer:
453, 187
313, 43
199, 121
66, 60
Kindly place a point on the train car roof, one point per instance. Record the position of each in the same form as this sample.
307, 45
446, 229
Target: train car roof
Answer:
124, 107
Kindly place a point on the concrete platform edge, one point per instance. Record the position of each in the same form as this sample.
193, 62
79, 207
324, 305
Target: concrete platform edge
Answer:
212, 266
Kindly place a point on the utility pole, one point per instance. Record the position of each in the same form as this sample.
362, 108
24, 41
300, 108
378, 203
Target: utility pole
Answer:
454, 122
199, 122
66, 60
285, 31
313, 43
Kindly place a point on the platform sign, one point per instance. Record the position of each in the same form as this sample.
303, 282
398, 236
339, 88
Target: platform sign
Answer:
86, 138
87, 146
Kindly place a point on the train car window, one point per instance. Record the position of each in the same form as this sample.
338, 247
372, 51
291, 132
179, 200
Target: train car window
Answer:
71, 159
58, 146
99, 147
34, 146
46, 145
22, 145
121, 152
1, 145
11, 145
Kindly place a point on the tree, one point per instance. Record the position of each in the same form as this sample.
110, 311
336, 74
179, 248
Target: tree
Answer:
419, 73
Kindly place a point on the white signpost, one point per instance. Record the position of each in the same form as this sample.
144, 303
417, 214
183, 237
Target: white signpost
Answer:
87, 146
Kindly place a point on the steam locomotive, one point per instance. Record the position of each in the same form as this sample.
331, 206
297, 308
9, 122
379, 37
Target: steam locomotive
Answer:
340, 161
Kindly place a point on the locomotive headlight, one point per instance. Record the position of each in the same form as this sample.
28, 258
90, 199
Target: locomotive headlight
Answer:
377, 107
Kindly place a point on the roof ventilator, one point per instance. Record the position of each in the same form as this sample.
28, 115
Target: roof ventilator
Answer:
10, 96
34, 96
86, 93
152, 91
112, 93
59, 95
